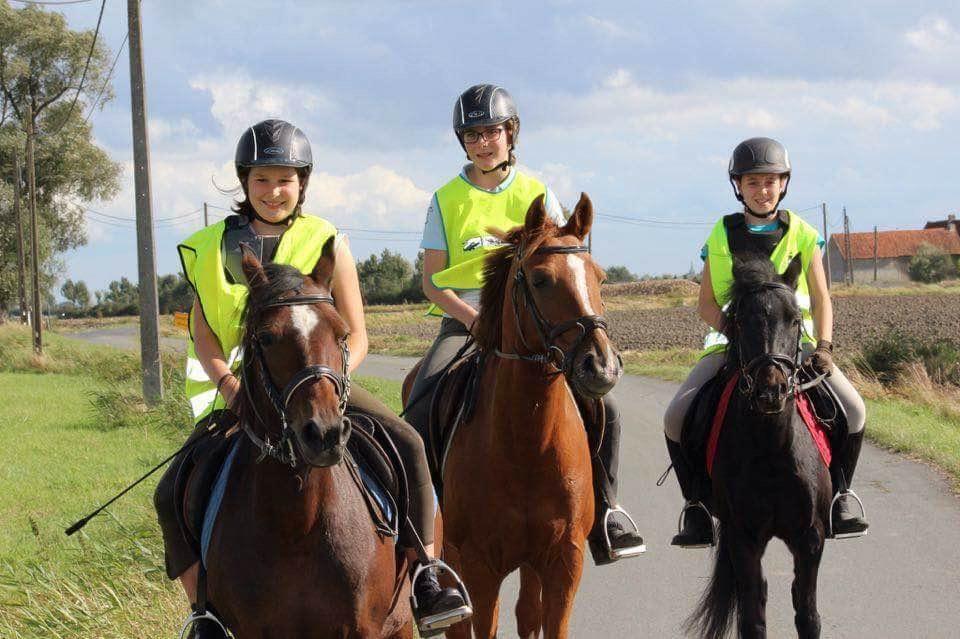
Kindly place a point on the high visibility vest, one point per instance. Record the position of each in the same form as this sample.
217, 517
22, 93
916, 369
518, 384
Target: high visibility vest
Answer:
467, 212
222, 303
800, 238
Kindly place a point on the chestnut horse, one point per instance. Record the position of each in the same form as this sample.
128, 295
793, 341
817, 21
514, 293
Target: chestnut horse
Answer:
517, 483
294, 552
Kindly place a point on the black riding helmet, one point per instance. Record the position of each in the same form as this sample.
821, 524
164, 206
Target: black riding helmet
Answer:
759, 155
274, 143
486, 105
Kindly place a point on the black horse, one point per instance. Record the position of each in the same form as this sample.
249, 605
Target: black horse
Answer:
768, 476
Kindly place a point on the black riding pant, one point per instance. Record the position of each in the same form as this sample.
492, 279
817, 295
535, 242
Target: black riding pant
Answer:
180, 550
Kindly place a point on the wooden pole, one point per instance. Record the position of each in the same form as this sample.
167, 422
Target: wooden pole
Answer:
876, 252
35, 235
21, 253
146, 247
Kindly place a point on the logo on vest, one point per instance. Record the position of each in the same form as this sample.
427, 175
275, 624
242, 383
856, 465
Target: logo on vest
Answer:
274, 150
475, 243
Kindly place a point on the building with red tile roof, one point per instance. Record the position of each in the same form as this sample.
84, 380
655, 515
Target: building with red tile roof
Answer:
887, 252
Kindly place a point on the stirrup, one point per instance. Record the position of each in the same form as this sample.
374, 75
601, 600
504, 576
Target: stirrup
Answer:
435, 624
863, 514
195, 617
621, 553
690, 505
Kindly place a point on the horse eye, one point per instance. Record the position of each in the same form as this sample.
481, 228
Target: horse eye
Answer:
266, 339
539, 280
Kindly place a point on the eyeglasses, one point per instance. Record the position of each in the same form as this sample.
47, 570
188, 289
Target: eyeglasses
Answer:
489, 135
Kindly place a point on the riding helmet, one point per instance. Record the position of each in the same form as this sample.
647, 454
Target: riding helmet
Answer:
485, 105
273, 143
758, 155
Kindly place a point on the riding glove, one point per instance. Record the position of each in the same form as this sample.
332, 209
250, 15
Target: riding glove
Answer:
822, 359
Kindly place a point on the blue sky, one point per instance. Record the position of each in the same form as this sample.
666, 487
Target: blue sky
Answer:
638, 104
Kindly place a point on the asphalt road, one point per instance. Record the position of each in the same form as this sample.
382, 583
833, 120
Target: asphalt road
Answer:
902, 580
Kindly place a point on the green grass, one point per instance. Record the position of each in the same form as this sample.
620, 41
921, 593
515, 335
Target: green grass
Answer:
672, 364
75, 432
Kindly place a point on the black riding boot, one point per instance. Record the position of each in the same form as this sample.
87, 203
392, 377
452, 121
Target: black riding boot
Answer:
846, 516
696, 521
614, 535
435, 608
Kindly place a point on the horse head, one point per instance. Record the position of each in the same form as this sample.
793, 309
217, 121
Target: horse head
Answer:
541, 300
765, 330
296, 362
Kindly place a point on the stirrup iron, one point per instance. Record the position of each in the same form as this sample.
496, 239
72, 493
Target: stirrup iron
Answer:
691, 505
863, 514
196, 616
621, 553
435, 624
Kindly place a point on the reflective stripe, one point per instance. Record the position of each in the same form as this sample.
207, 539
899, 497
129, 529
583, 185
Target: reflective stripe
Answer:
195, 370
201, 401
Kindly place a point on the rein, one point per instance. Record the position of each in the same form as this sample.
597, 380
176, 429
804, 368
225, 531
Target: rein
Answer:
552, 354
283, 450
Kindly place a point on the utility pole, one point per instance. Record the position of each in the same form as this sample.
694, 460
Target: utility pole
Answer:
206, 218
21, 254
826, 244
590, 242
35, 235
146, 247
848, 271
876, 252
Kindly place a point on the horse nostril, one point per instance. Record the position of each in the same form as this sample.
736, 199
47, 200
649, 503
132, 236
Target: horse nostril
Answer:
311, 433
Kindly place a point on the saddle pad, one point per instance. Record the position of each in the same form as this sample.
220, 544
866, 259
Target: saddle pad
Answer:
374, 487
817, 430
216, 497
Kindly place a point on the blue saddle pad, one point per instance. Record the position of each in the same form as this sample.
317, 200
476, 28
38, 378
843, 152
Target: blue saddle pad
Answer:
380, 495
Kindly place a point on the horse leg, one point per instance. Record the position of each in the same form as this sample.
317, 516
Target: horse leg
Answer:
807, 550
751, 587
560, 580
529, 608
484, 588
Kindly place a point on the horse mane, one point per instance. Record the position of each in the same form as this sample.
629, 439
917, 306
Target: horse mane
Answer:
496, 274
748, 276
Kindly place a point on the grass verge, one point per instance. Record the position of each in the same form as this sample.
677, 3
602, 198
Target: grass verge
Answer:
76, 433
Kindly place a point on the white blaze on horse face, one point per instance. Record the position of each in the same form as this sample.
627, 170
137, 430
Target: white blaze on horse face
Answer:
304, 320
579, 268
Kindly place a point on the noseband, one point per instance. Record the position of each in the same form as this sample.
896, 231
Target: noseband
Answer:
552, 354
283, 450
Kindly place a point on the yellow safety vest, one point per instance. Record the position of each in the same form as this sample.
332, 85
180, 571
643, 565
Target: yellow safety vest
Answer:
222, 303
800, 238
467, 212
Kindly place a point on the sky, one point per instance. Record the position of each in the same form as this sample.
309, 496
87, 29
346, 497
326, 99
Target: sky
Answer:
637, 104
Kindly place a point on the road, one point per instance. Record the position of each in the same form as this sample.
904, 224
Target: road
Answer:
902, 580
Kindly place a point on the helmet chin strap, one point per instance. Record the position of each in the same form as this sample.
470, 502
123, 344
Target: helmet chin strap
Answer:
503, 166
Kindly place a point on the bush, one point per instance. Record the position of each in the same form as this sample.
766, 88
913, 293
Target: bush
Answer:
931, 264
887, 356
617, 274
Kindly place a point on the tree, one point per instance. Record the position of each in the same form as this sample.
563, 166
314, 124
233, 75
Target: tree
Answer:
122, 297
174, 294
383, 280
76, 293
42, 63
931, 264
617, 274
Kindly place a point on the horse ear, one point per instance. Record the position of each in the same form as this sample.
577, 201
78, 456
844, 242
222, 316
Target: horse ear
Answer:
791, 276
536, 216
581, 221
323, 271
252, 268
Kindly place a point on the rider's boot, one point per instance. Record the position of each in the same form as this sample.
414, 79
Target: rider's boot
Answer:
696, 523
435, 608
610, 540
847, 518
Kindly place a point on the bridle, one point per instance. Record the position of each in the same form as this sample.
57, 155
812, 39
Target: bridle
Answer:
283, 450
789, 365
552, 354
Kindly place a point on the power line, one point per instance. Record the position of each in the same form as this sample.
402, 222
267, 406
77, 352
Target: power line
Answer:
86, 67
40, 2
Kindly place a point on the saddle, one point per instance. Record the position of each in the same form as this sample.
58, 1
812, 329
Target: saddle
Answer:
460, 384
819, 407
371, 459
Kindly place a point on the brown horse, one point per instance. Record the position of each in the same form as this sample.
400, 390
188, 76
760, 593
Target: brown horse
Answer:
517, 487
294, 552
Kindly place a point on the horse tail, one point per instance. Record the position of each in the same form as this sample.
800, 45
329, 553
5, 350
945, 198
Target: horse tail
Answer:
717, 605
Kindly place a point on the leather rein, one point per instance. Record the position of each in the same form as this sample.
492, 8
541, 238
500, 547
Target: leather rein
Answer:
553, 355
283, 449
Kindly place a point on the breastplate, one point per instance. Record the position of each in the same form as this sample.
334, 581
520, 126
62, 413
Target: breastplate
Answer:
242, 233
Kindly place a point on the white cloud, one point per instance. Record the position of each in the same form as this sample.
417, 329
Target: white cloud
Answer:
612, 29
161, 129
377, 198
621, 104
934, 35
